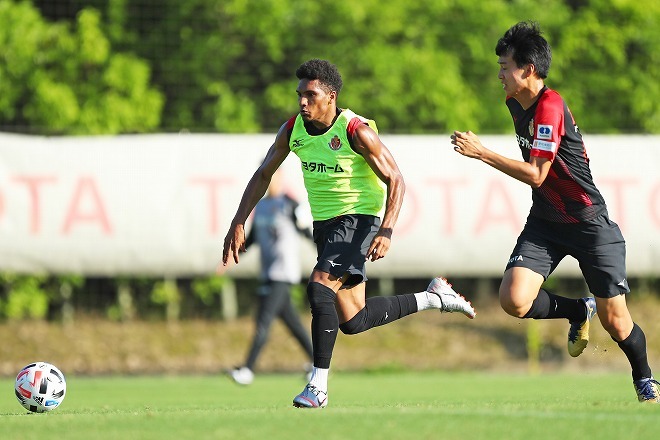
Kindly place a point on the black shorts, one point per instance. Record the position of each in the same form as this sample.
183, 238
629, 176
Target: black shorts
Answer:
342, 244
597, 245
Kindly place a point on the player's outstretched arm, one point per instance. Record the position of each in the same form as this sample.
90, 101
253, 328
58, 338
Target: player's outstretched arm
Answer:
235, 239
533, 173
381, 161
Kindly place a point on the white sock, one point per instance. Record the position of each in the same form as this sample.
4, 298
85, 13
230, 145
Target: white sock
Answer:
427, 300
320, 378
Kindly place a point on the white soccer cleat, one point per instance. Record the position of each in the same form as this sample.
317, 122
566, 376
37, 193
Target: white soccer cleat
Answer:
450, 301
242, 376
311, 397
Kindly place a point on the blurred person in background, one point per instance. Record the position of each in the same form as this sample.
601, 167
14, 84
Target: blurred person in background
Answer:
349, 175
568, 214
276, 231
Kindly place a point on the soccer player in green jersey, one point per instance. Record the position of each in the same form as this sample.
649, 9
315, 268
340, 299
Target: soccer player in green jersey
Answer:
343, 163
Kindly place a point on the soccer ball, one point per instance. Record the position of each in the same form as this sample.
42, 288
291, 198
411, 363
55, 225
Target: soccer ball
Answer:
40, 387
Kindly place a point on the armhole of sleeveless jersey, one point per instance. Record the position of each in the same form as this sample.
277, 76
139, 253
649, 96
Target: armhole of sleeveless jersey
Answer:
289, 128
351, 128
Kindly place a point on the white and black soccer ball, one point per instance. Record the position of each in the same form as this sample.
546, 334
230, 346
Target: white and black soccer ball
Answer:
40, 387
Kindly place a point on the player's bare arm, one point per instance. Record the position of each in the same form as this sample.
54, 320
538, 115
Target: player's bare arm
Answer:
254, 191
533, 173
381, 161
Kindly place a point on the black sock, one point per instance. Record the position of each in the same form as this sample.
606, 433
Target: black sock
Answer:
325, 322
634, 346
547, 305
380, 310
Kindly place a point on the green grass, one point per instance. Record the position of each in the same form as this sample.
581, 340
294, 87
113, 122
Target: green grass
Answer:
361, 406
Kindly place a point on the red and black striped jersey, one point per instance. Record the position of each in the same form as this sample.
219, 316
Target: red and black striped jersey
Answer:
547, 129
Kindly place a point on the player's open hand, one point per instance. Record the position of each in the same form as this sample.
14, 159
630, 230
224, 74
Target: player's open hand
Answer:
467, 144
234, 243
380, 245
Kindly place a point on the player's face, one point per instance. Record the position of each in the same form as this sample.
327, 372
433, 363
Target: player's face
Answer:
511, 76
314, 100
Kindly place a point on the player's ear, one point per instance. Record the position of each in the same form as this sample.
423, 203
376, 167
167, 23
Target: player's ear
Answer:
530, 69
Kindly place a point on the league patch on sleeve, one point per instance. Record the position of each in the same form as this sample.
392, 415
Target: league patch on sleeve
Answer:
545, 146
544, 132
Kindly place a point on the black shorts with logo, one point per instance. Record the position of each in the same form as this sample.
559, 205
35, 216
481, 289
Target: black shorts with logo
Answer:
597, 245
342, 244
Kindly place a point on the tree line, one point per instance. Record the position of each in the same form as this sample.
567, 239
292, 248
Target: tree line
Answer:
117, 66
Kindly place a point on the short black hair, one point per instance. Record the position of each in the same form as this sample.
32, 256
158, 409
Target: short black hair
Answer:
526, 46
322, 70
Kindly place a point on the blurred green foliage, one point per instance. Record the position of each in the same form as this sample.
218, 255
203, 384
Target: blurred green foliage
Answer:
167, 293
228, 65
65, 78
24, 298
207, 288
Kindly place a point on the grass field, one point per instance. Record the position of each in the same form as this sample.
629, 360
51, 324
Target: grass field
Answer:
361, 406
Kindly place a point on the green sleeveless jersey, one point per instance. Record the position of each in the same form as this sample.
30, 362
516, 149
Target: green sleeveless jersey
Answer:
338, 180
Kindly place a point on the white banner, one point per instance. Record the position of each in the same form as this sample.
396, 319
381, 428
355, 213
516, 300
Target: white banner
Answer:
161, 204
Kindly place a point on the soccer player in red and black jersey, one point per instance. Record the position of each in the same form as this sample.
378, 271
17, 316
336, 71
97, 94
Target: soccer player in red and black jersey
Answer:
568, 215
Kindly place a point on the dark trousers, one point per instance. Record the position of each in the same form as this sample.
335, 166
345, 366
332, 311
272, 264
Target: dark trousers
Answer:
276, 302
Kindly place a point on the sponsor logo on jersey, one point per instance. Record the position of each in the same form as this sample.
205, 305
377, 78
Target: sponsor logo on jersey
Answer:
320, 167
544, 132
335, 143
523, 142
545, 145
297, 143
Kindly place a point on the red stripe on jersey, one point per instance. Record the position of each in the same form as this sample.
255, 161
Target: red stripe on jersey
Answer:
548, 123
567, 186
289, 127
291, 122
353, 126
542, 153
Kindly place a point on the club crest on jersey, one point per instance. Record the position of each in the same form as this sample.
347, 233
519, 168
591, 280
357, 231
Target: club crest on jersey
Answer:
335, 143
531, 127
